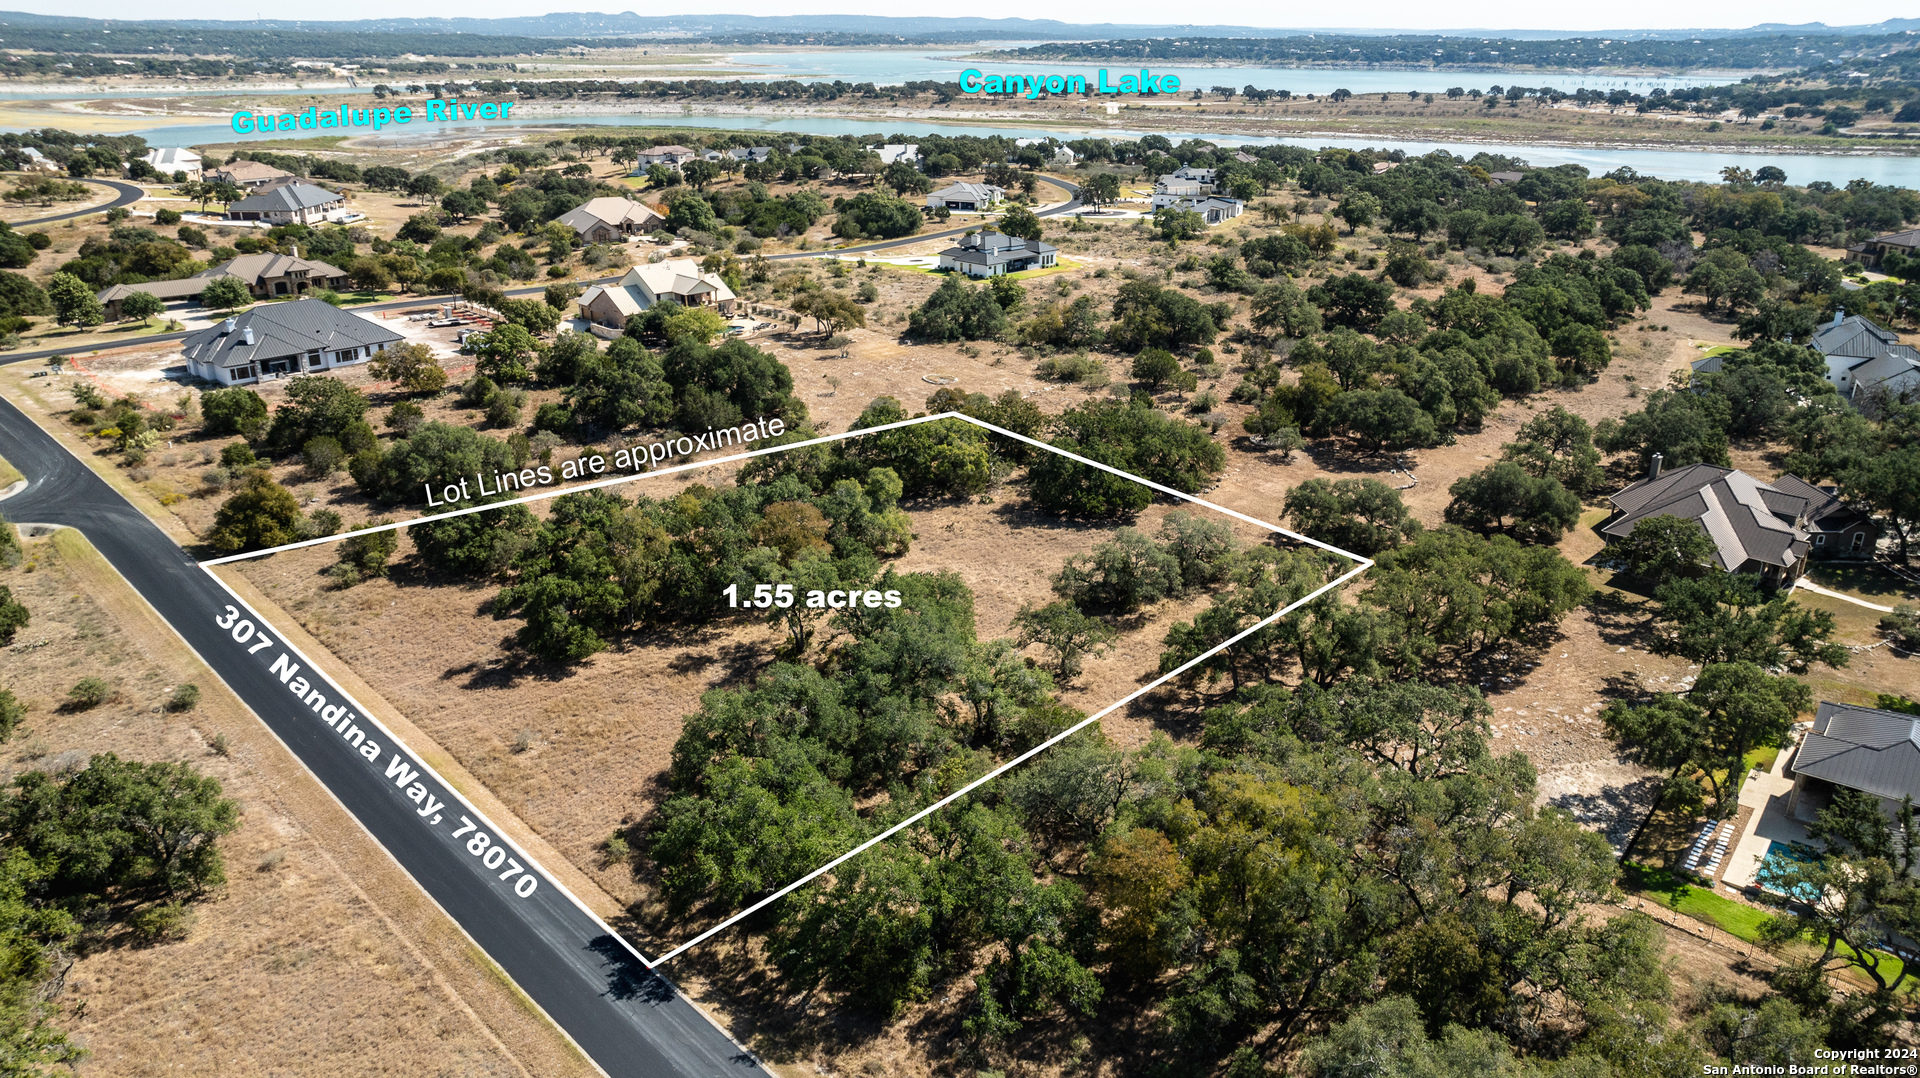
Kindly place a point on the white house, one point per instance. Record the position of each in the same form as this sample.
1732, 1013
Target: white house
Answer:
174, 159
38, 162
664, 155
679, 280
891, 152
302, 336
294, 203
1059, 154
1173, 187
991, 254
1862, 358
966, 196
1214, 208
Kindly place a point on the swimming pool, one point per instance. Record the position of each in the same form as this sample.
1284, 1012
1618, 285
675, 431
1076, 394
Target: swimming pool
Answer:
1774, 866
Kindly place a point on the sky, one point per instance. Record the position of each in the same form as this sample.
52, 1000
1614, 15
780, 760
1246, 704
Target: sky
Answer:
1377, 14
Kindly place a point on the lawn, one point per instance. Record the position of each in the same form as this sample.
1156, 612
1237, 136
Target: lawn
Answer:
9, 475
1861, 580
1736, 919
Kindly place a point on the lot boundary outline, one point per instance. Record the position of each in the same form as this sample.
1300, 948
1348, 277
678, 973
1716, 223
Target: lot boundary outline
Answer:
1360, 565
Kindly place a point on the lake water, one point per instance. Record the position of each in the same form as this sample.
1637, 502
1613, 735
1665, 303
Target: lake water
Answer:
1667, 164
907, 65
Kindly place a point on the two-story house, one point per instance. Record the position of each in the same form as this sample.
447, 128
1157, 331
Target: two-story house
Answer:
991, 254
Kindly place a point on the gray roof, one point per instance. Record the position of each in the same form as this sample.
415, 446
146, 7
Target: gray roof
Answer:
1863, 748
995, 248
1852, 335
284, 329
179, 288
255, 268
285, 199
1749, 521
1909, 238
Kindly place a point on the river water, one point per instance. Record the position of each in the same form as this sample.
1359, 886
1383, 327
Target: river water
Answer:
1666, 164
894, 66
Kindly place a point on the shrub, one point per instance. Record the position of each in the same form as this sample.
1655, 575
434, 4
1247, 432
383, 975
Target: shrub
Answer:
185, 698
13, 615
166, 922
233, 411
88, 692
11, 712
323, 456
238, 455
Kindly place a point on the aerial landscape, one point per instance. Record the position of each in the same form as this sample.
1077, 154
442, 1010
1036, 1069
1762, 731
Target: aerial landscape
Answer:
1371, 544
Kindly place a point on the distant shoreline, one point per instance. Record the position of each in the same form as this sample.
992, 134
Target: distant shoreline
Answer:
1731, 75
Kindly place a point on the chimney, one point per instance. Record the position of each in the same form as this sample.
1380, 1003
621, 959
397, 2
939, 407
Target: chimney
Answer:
1653, 472
246, 335
295, 249
227, 327
1839, 314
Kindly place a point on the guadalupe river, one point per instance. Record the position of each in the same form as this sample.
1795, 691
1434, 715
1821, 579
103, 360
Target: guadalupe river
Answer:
894, 66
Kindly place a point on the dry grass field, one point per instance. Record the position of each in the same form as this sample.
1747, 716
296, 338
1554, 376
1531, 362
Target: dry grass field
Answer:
318, 946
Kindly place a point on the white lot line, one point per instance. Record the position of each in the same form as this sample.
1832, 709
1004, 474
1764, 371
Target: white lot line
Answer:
1361, 566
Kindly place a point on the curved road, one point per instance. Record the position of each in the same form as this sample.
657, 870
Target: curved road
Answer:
129, 194
1073, 203
627, 1018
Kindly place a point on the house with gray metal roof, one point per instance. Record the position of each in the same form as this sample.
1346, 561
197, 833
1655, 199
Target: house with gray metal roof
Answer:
991, 254
1865, 358
294, 203
1764, 529
273, 340
1863, 749
966, 196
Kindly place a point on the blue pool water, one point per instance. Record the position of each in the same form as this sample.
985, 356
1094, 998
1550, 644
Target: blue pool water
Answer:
1774, 866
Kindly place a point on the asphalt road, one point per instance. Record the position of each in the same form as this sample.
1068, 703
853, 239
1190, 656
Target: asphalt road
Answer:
129, 194
1073, 203
628, 1019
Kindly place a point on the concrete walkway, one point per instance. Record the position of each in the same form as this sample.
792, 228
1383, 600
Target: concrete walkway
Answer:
1766, 792
1803, 582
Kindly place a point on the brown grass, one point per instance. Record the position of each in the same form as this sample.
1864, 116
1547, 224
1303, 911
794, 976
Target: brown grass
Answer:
317, 947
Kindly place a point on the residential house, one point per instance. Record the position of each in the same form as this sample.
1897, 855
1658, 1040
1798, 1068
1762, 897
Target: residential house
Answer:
1864, 749
294, 203
1173, 187
610, 220
35, 161
678, 280
1384, 166
1497, 178
664, 155
1766, 529
1872, 252
277, 339
991, 254
891, 152
1244, 157
1213, 208
174, 159
750, 154
1204, 176
247, 174
966, 196
265, 275
1059, 154
1864, 358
